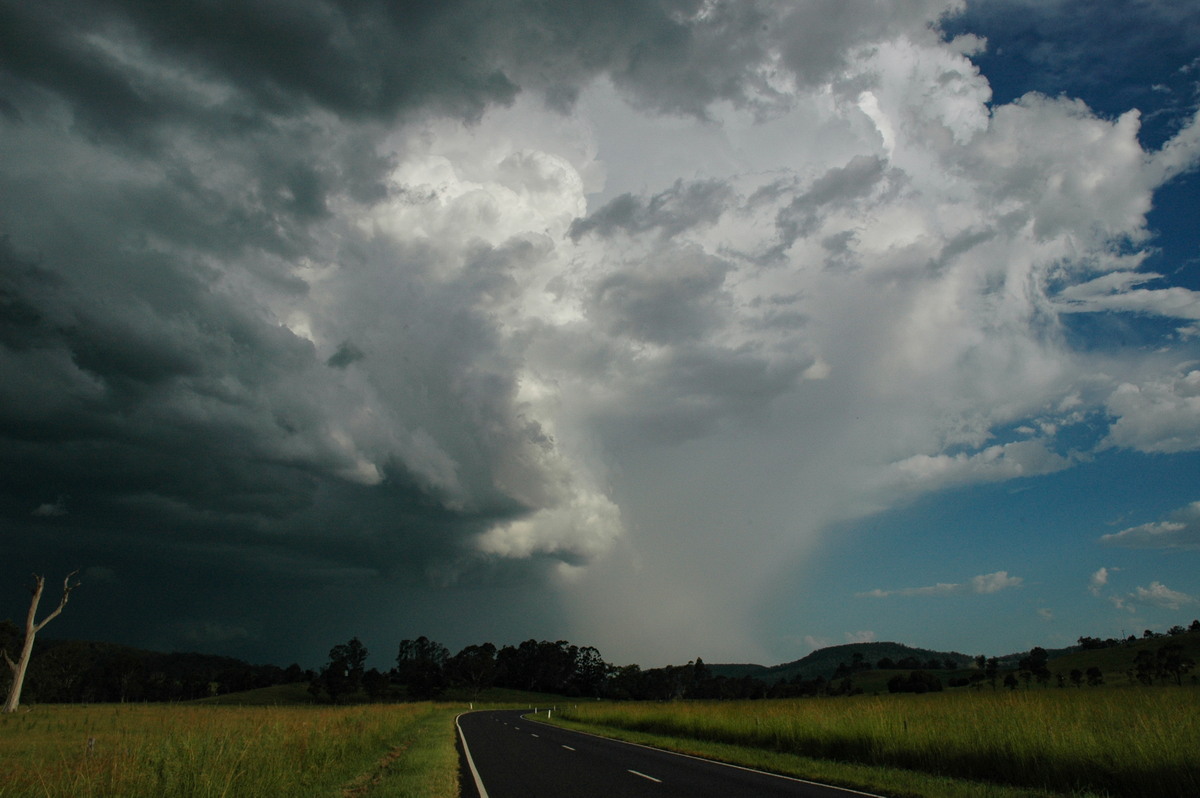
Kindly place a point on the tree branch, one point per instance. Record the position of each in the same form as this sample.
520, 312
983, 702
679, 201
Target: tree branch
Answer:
67, 588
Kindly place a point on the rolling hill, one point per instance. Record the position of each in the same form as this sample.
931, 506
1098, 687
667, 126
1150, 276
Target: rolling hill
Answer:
824, 662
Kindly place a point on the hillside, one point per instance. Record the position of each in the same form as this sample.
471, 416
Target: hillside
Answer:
825, 661
738, 670
1115, 662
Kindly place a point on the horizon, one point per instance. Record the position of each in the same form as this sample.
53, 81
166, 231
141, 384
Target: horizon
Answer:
373, 657
683, 328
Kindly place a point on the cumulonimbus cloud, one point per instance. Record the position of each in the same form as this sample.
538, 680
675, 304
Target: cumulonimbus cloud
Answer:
363, 290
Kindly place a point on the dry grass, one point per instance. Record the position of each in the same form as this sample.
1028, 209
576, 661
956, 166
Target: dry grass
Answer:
166, 751
1121, 742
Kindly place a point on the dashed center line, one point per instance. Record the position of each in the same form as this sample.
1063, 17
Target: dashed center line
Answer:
569, 748
644, 776
533, 735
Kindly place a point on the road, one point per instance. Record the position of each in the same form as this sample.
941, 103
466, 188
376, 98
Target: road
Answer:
506, 756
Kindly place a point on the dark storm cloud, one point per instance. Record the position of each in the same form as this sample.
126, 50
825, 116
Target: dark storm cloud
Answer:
142, 380
673, 295
212, 375
375, 58
682, 206
369, 59
698, 387
346, 354
837, 186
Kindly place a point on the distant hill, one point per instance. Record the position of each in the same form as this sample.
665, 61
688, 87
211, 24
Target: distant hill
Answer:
825, 661
1011, 661
737, 670
1116, 661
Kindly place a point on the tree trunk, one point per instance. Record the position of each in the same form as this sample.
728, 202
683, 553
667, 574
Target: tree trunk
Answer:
32, 627
18, 671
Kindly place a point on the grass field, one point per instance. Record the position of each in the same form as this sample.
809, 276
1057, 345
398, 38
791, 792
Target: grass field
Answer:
1116, 742
197, 751
1083, 743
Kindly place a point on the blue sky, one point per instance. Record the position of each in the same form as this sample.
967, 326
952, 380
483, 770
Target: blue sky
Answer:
719, 329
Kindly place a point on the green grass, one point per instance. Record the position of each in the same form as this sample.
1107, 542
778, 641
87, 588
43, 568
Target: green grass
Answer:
1116, 661
503, 695
1120, 742
277, 695
885, 781
297, 694
173, 751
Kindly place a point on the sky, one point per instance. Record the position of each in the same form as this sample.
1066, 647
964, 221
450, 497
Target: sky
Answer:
682, 329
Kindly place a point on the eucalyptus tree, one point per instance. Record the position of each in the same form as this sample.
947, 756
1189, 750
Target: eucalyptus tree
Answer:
32, 627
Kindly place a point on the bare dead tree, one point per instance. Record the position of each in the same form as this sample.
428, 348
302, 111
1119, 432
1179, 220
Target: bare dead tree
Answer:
32, 627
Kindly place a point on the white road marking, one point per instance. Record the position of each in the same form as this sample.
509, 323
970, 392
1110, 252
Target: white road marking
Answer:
470, 762
533, 735
569, 748
644, 776
714, 762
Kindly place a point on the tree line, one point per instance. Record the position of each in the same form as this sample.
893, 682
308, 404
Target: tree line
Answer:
74, 671
426, 669
1093, 643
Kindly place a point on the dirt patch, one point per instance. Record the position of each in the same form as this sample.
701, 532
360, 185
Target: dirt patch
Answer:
368, 781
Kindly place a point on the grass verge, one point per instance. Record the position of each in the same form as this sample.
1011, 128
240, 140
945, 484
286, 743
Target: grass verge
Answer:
883, 781
189, 751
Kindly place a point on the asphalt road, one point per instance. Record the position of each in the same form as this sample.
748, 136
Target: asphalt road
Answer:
505, 756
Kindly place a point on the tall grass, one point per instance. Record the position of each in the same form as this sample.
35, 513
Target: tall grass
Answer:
179, 751
1127, 742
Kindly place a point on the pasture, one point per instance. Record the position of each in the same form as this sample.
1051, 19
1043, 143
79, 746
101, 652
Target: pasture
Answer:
197, 751
1083, 743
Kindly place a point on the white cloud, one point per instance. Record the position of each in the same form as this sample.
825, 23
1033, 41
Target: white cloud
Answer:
580, 529
993, 464
981, 584
817, 643
1162, 596
1181, 153
1157, 594
1099, 580
1161, 414
1181, 530
995, 582
1116, 291
863, 636
1120, 603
